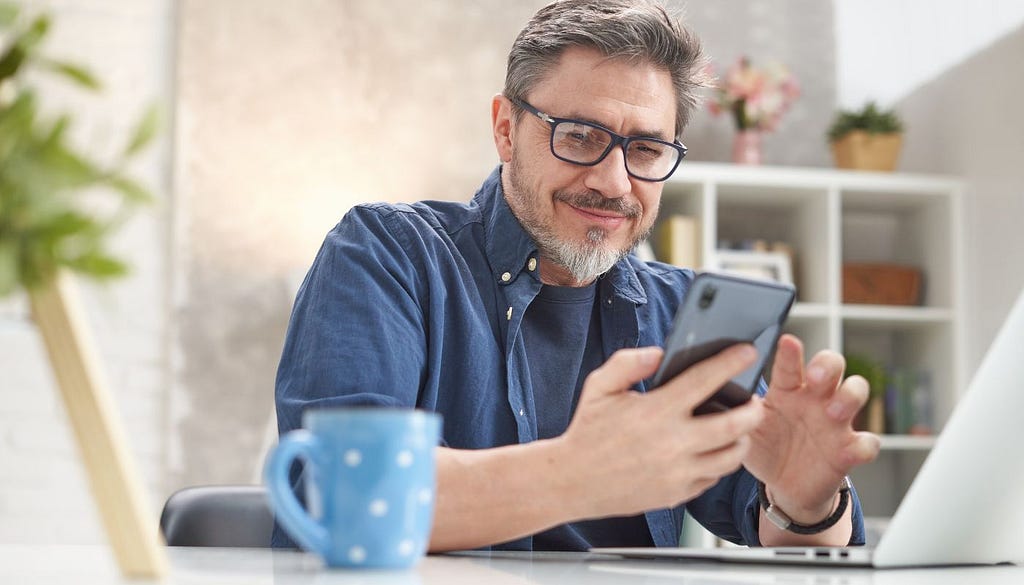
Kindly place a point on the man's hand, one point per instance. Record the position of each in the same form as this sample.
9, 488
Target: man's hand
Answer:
806, 443
624, 453
629, 452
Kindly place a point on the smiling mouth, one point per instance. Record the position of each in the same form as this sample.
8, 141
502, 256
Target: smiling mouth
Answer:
601, 217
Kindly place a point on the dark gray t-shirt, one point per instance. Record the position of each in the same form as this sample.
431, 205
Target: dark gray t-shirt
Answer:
562, 333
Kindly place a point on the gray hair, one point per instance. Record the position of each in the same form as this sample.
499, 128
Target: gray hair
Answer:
636, 30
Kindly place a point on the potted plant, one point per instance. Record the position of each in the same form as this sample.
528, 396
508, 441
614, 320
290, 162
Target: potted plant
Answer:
50, 226
866, 139
872, 417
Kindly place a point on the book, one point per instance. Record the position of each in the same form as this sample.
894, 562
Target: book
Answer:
678, 241
909, 402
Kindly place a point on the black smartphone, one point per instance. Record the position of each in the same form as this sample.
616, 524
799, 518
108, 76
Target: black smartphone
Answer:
717, 312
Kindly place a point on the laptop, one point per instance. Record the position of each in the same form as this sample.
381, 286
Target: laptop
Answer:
966, 504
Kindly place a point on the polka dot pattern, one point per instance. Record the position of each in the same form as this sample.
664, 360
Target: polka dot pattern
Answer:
404, 458
353, 457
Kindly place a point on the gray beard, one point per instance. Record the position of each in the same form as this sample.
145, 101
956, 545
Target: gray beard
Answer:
586, 260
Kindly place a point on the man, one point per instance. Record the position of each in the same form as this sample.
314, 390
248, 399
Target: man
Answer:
523, 319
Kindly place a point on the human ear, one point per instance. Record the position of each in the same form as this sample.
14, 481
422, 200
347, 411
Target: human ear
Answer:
501, 125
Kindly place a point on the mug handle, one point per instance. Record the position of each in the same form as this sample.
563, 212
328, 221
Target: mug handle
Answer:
292, 516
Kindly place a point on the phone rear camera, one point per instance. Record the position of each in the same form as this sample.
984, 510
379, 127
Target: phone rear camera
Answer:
707, 296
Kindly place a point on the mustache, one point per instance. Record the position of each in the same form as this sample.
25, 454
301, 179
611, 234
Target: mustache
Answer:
594, 200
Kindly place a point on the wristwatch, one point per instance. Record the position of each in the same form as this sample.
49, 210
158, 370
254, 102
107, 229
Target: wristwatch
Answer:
784, 522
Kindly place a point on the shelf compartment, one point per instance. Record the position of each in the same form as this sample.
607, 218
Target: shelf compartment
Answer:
796, 216
910, 347
912, 229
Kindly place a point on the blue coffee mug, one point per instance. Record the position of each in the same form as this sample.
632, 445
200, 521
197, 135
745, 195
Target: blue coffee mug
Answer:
370, 480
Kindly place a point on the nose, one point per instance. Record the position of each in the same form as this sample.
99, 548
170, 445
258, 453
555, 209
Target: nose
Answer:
609, 177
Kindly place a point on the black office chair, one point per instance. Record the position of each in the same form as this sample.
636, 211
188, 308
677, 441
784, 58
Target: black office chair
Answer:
221, 515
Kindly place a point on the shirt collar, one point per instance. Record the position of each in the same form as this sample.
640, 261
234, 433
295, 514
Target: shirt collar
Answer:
510, 248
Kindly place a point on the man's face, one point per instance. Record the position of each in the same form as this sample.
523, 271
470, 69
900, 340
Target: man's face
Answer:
584, 218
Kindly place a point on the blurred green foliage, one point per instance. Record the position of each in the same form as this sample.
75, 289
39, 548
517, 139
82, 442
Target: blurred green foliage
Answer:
45, 220
870, 370
870, 119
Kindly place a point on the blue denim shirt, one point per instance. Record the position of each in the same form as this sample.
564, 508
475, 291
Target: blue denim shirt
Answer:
420, 306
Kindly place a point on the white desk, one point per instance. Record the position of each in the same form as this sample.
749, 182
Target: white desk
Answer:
63, 565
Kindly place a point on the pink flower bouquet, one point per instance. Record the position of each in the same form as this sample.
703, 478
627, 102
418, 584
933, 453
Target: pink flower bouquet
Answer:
756, 98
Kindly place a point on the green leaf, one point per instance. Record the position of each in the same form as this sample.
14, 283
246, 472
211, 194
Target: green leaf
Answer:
66, 224
35, 33
11, 61
66, 169
23, 46
132, 191
98, 265
8, 268
75, 73
8, 15
145, 130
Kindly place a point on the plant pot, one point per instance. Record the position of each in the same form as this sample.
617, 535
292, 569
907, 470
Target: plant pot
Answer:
867, 152
746, 147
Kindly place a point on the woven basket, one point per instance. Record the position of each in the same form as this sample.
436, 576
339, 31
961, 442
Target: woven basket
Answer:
867, 152
881, 284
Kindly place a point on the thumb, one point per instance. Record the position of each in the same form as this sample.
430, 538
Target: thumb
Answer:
622, 370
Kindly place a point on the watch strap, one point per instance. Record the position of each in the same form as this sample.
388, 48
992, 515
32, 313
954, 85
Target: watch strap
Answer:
779, 518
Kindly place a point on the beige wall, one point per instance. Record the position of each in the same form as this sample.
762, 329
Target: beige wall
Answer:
968, 122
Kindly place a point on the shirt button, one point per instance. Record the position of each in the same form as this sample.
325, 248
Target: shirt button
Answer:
522, 412
508, 314
609, 301
532, 264
506, 277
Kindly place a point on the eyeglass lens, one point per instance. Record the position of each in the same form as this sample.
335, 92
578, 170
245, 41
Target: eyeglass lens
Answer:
585, 144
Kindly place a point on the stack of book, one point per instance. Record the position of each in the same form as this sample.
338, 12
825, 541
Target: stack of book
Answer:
909, 398
678, 241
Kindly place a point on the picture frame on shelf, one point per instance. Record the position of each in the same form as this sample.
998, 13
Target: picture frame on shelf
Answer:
774, 266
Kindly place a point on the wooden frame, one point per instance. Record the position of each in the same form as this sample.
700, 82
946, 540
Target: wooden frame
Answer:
120, 498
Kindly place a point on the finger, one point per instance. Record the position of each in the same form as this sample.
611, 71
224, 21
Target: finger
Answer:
723, 461
788, 369
720, 429
625, 368
824, 372
851, 396
862, 449
698, 382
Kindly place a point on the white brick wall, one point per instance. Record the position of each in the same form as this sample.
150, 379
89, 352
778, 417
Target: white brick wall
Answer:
44, 495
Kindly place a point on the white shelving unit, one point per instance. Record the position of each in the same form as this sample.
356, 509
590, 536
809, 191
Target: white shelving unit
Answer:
830, 217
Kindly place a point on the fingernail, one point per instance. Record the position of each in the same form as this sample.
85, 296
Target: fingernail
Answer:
835, 410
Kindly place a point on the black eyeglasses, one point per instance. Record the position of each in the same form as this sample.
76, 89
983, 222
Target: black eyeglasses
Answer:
586, 144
